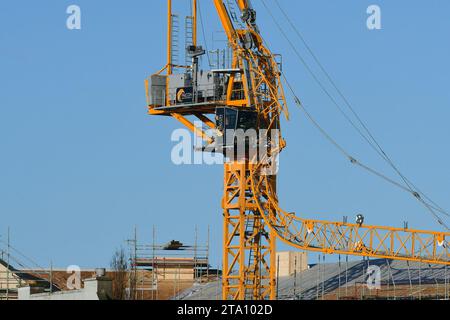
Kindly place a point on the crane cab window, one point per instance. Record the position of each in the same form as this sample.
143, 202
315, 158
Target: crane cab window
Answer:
233, 119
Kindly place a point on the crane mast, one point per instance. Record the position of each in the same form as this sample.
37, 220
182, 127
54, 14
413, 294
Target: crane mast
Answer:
250, 97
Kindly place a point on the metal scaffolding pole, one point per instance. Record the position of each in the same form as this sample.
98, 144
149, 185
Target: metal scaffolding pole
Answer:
196, 277
420, 281
363, 292
323, 277
317, 281
391, 276
446, 282
278, 276
410, 281
134, 291
301, 276
154, 275
51, 277
435, 281
207, 255
8, 253
295, 278
339, 280
218, 283
346, 276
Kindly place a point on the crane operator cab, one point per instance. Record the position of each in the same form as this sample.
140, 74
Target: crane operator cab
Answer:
236, 131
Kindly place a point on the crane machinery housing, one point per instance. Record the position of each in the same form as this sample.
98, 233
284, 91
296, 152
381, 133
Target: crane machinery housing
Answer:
250, 96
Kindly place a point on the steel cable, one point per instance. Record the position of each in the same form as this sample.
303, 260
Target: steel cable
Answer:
410, 187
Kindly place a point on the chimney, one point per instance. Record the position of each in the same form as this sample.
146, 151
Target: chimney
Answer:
100, 272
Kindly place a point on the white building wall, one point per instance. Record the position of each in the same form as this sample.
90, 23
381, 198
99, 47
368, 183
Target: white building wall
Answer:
94, 289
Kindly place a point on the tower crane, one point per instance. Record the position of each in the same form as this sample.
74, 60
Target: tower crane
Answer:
250, 96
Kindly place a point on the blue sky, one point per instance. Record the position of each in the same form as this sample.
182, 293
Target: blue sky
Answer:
81, 163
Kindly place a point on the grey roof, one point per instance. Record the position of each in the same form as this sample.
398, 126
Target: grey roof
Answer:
6, 265
310, 281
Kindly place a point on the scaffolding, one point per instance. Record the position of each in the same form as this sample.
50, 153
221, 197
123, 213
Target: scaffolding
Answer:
171, 266
29, 274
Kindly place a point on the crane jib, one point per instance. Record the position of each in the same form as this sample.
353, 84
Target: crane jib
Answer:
248, 94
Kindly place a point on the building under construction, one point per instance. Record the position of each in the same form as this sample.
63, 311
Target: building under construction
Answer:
163, 270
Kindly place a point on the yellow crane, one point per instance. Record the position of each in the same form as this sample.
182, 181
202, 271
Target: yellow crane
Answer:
250, 96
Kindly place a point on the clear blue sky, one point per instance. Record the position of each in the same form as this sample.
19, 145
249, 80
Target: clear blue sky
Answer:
81, 163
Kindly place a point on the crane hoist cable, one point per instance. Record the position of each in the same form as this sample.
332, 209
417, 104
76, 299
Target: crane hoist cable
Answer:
378, 148
316, 79
409, 187
374, 144
354, 161
203, 32
370, 140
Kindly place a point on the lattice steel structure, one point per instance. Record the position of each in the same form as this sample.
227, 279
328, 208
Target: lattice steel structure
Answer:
252, 216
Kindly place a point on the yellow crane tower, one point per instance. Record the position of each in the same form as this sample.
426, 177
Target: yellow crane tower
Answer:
250, 96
